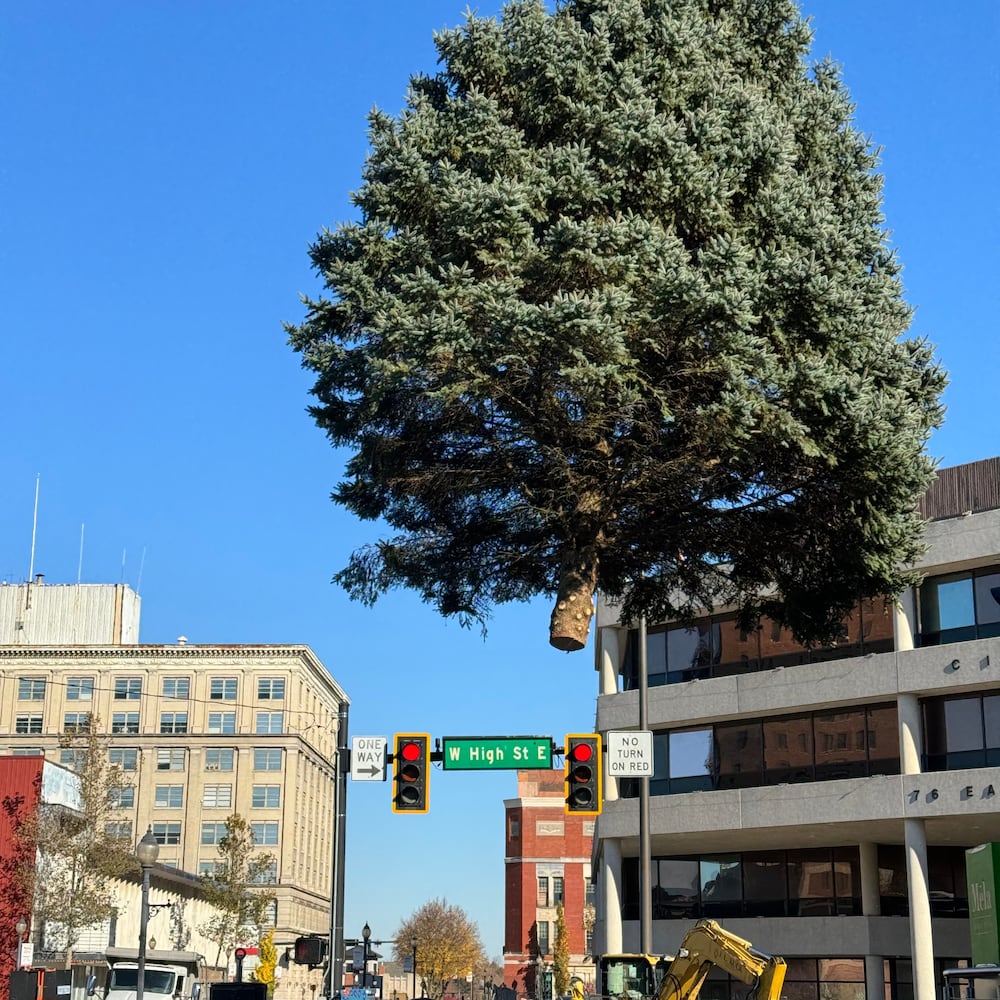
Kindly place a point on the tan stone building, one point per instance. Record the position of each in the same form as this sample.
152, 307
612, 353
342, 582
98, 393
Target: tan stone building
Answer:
203, 731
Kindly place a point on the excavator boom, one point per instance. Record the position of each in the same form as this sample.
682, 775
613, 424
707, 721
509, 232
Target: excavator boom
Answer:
708, 944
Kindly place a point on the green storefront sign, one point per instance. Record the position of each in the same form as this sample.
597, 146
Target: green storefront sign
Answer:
495, 753
982, 871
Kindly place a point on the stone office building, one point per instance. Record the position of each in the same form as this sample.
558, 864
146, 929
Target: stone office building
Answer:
202, 731
819, 802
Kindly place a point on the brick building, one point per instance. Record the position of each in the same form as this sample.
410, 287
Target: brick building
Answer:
547, 862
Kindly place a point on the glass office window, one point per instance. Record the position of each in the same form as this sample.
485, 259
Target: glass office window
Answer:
177, 688
219, 759
79, 688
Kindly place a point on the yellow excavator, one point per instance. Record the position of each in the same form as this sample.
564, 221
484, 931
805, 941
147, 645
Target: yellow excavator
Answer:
706, 946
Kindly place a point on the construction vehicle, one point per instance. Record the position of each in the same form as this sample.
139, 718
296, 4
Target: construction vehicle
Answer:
706, 946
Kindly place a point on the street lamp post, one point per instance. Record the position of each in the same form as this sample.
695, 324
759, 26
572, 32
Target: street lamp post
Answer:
413, 948
21, 926
147, 851
366, 933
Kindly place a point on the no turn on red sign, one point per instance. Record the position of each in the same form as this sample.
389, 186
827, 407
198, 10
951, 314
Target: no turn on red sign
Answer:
629, 754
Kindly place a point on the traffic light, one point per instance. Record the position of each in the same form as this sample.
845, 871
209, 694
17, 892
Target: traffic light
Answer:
410, 767
309, 951
583, 774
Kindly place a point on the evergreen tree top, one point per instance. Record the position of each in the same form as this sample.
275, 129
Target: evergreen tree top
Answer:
621, 312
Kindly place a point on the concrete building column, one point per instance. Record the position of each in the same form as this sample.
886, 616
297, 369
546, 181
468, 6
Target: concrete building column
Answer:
609, 664
914, 836
871, 907
910, 733
611, 659
874, 977
921, 938
610, 941
904, 626
870, 903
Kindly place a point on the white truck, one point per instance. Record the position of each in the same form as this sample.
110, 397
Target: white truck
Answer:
174, 975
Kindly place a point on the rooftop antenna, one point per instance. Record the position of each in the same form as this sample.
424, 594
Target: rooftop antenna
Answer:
142, 562
122, 580
79, 567
34, 529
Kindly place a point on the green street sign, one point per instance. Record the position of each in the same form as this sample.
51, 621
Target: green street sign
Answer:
495, 753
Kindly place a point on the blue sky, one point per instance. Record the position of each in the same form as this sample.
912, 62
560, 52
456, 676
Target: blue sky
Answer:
163, 168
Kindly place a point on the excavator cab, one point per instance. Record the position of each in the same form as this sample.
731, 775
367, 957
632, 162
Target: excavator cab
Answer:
635, 977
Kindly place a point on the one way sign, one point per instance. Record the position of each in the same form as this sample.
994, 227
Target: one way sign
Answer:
368, 758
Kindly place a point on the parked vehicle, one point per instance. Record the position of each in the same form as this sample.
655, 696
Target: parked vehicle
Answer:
175, 974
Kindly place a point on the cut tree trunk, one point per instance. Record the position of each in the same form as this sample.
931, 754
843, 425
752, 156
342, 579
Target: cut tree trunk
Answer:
570, 623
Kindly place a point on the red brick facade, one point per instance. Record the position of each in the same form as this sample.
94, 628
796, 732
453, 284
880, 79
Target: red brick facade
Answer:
547, 859
20, 793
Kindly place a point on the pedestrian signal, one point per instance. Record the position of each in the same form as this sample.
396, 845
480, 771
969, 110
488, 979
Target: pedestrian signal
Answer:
309, 951
411, 760
583, 774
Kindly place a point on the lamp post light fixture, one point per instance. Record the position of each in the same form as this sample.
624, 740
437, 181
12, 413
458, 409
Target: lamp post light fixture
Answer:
413, 948
147, 851
21, 926
366, 933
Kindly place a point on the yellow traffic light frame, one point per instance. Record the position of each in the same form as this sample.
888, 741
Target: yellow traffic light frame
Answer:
397, 772
597, 778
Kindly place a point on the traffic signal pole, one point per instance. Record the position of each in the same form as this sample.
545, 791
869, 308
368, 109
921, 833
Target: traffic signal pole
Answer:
645, 850
335, 954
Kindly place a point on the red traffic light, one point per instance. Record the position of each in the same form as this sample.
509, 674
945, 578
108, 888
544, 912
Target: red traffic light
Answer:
583, 773
410, 764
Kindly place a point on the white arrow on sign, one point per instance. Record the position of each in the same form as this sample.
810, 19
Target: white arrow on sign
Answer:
629, 754
368, 758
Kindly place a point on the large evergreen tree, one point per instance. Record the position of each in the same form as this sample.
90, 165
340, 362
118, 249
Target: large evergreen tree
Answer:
620, 312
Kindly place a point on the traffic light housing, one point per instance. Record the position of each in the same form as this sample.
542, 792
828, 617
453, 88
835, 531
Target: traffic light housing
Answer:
583, 774
411, 761
309, 950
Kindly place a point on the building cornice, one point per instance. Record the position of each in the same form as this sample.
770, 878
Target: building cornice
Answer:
151, 652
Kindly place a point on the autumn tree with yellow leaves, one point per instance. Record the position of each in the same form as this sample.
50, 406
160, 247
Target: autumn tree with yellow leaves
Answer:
267, 962
448, 945
561, 954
